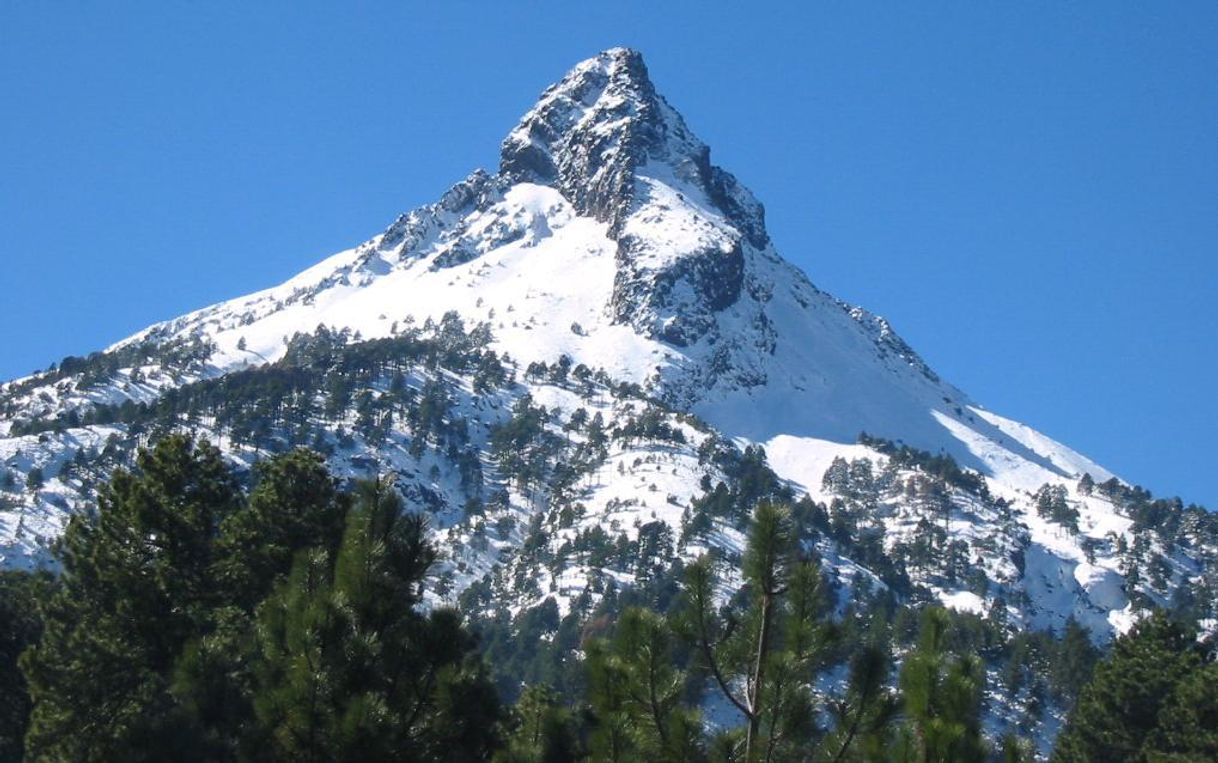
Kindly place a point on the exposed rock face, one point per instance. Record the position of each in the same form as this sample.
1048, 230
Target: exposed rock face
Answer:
588, 134
410, 230
614, 147
676, 303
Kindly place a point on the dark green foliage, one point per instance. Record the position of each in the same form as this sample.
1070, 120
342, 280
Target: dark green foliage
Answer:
1051, 503
20, 627
136, 586
1187, 727
942, 466
1016, 750
533, 648
542, 730
1073, 660
158, 643
346, 668
1151, 699
295, 504
942, 697
34, 479
866, 713
636, 694
1086, 484
649, 425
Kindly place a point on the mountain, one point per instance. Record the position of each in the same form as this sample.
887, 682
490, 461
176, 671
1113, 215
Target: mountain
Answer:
583, 365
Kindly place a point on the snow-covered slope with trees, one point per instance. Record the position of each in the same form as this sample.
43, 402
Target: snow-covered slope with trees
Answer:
583, 365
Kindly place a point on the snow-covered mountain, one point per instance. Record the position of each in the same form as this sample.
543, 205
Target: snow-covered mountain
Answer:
620, 281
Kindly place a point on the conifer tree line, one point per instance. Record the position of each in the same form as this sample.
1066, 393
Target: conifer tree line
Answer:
195, 620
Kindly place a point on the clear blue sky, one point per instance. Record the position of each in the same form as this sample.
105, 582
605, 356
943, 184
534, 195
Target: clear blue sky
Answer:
1029, 191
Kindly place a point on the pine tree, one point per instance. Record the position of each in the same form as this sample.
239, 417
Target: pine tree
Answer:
295, 505
211, 683
1119, 711
764, 659
293, 694
136, 585
543, 730
348, 669
34, 480
1017, 750
942, 698
636, 694
1187, 726
20, 626
867, 711
159, 643
1074, 658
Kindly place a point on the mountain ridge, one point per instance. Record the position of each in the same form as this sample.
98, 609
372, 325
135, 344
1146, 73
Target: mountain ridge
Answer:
607, 242
643, 295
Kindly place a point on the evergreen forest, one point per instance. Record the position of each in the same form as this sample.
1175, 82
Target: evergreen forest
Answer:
198, 616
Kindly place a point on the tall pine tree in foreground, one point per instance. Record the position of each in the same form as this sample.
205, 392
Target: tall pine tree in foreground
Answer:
347, 668
762, 650
1187, 727
867, 712
136, 586
942, 698
544, 730
295, 504
192, 624
636, 695
20, 627
765, 658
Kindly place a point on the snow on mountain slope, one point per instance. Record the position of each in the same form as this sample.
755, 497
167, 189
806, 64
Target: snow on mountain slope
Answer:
645, 260
607, 236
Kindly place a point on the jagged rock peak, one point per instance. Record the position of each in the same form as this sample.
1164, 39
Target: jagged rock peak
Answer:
588, 133
592, 131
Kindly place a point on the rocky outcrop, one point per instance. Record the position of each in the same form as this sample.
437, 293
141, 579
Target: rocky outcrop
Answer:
599, 136
677, 303
409, 231
588, 134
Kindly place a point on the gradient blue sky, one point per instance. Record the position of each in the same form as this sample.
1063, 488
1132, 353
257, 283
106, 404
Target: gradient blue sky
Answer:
1028, 191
